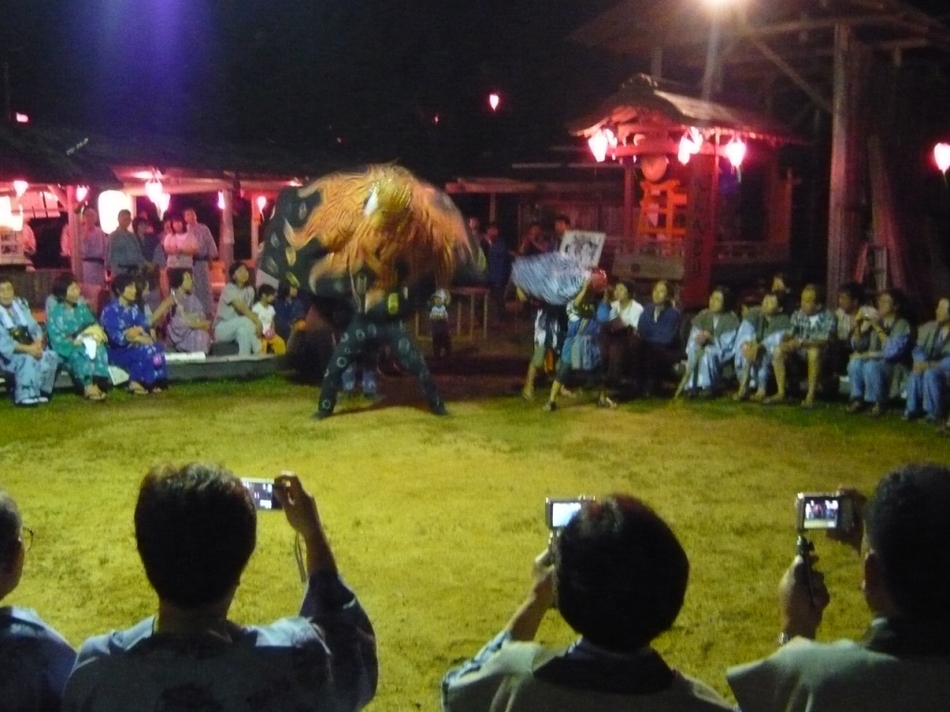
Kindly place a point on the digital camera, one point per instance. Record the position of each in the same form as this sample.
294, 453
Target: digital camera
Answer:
262, 492
558, 512
823, 511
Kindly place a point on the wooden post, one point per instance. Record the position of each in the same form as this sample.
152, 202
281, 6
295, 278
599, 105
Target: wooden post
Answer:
492, 207
75, 233
226, 237
628, 175
255, 229
656, 63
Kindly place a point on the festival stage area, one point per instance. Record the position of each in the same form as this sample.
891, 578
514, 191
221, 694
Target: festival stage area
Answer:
435, 521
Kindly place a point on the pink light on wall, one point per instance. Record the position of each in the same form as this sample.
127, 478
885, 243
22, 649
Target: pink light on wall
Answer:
942, 156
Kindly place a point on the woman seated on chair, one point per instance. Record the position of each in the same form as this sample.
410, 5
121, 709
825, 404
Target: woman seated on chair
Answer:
131, 346
77, 339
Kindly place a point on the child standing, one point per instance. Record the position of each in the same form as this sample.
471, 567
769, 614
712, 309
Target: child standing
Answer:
264, 309
439, 324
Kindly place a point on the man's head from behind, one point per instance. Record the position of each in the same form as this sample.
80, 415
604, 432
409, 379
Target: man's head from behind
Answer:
907, 570
196, 529
11, 544
620, 573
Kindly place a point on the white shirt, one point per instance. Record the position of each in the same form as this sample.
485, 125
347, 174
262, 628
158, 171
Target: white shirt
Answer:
266, 315
174, 243
629, 315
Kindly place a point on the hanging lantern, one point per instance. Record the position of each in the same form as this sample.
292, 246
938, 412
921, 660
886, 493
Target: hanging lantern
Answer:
20, 187
601, 142
735, 152
221, 204
690, 144
110, 203
261, 204
494, 101
942, 156
154, 189
82, 192
164, 200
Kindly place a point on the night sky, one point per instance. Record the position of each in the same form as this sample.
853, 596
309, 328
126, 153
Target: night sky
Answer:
399, 80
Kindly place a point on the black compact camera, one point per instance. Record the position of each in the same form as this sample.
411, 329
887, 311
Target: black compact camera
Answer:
558, 512
818, 511
262, 492
21, 335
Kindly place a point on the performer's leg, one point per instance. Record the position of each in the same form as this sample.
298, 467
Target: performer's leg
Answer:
347, 350
411, 359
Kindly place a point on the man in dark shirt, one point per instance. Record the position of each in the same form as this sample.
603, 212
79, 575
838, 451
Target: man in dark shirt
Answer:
658, 328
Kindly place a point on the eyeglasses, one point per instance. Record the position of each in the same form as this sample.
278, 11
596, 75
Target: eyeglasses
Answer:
26, 536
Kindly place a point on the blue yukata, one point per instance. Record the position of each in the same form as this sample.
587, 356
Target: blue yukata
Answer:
64, 323
145, 363
33, 378
720, 350
765, 331
35, 661
581, 349
871, 367
927, 391
322, 659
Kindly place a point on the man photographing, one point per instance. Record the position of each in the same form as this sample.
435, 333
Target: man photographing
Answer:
195, 527
903, 661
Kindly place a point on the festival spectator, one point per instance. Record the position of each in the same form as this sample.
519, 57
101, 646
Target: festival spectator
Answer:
188, 327
658, 329
125, 254
761, 331
499, 268
581, 349
811, 330
207, 251
786, 297
264, 309
880, 341
619, 335
851, 302
93, 245
548, 333
24, 357
711, 344
927, 384
903, 661
534, 242
290, 311
562, 224
617, 575
180, 246
235, 321
131, 345
195, 528
36, 659
155, 261
155, 317
439, 324
77, 339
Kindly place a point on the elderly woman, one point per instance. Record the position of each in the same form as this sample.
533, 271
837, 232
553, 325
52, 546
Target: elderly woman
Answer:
187, 327
76, 338
131, 346
235, 321
23, 355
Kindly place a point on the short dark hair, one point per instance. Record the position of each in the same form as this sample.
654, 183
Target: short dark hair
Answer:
620, 573
139, 221
561, 217
196, 528
728, 298
10, 526
120, 282
283, 289
853, 290
6, 279
176, 277
908, 526
235, 266
816, 290
266, 290
897, 296
61, 285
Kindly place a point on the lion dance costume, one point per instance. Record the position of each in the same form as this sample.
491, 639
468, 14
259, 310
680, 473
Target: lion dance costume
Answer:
378, 242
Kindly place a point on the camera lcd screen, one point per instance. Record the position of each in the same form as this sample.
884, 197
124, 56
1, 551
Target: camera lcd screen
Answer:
563, 512
262, 492
821, 513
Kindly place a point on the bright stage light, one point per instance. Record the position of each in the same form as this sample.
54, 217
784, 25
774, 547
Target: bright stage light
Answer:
494, 101
942, 156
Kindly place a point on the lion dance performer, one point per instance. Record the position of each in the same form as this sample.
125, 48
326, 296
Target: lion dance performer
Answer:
379, 241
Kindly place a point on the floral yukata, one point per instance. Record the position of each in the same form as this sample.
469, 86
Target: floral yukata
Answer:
32, 378
83, 359
145, 363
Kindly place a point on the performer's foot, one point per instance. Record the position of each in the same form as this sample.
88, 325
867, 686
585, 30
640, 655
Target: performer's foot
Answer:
856, 406
878, 410
439, 409
322, 414
550, 407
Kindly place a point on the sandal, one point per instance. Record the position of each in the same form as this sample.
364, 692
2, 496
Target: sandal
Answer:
137, 390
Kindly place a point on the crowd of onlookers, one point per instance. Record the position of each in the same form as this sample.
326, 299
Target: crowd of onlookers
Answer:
161, 299
616, 573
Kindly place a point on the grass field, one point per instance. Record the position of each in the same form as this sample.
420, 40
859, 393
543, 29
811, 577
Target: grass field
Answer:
435, 520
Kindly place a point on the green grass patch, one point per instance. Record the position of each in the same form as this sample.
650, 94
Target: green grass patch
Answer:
435, 521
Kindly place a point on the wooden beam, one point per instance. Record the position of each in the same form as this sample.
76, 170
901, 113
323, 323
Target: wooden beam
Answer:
790, 72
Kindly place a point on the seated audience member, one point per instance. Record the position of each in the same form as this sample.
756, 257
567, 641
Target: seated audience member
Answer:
812, 329
619, 334
266, 313
851, 304
927, 383
786, 297
36, 660
235, 321
143, 298
187, 328
290, 311
77, 339
534, 242
23, 355
659, 349
195, 527
711, 344
761, 331
617, 576
880, 340
903, 660
131, 345
155, 262
581, 349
